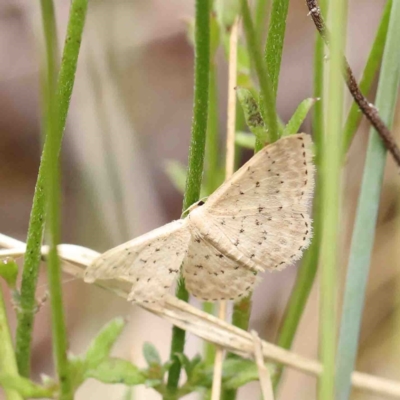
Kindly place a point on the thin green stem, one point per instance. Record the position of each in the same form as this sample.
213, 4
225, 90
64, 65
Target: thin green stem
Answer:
268, 108
8, 362
275, 39
309, 265
367, 211
261, 14
196, 160
59, 334
369, 73
36, 222
27, 306
330, 200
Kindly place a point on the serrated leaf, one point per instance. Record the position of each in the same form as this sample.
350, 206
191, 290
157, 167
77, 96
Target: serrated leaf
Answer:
116, 370
298, 117
9, 271
101, 345
252, 114
25, 387
176, 172
151, 354
246, 140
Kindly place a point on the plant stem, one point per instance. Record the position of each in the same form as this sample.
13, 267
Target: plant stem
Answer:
196, 160
268, 108
367, 211
309, 265
275, 39
261, 13
330, 201
37, 217
369, 73
8, 363
52, 177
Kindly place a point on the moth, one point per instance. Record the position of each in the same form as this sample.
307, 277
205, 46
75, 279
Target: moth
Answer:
257, 220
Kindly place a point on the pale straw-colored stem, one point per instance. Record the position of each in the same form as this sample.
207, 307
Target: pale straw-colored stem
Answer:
76, 259
263, 372
229, 167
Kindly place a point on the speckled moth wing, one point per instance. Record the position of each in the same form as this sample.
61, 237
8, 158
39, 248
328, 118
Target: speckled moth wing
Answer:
212, 276
151, 261
263, 208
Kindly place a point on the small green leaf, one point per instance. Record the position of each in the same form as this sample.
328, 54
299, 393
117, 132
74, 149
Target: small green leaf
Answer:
151, 354
234, 365
190, 30
298, 117
116, 370
226, 11
25, 387
238, 372
176, 172
152, 383
101, 345
252, 114
77, 367
9, 271
246, 140
215, 35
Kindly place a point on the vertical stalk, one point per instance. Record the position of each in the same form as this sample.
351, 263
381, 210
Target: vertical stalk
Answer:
308, 268
275, 39
196, 160
36, 223
330, 200
268, 107
367, 211
369, 74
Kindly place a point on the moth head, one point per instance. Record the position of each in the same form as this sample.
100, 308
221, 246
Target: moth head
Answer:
195, 205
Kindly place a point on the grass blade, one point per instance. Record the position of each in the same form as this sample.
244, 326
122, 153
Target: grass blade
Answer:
367, 211
298, 117
275, 39
330, 200
370, 70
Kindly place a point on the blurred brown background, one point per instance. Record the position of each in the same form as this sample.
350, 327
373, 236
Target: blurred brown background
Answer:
131, 111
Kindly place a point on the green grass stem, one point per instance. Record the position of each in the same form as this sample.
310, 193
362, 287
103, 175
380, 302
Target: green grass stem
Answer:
330, 200
196, 160
367, 211
275, 39
59, 334
309, 265
268, 107
261, 14
30, 271
368, 76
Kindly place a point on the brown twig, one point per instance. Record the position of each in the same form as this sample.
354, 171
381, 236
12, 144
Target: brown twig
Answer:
368, 109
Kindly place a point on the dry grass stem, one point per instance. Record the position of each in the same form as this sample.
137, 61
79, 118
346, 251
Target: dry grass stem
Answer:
263, 372
206, 326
